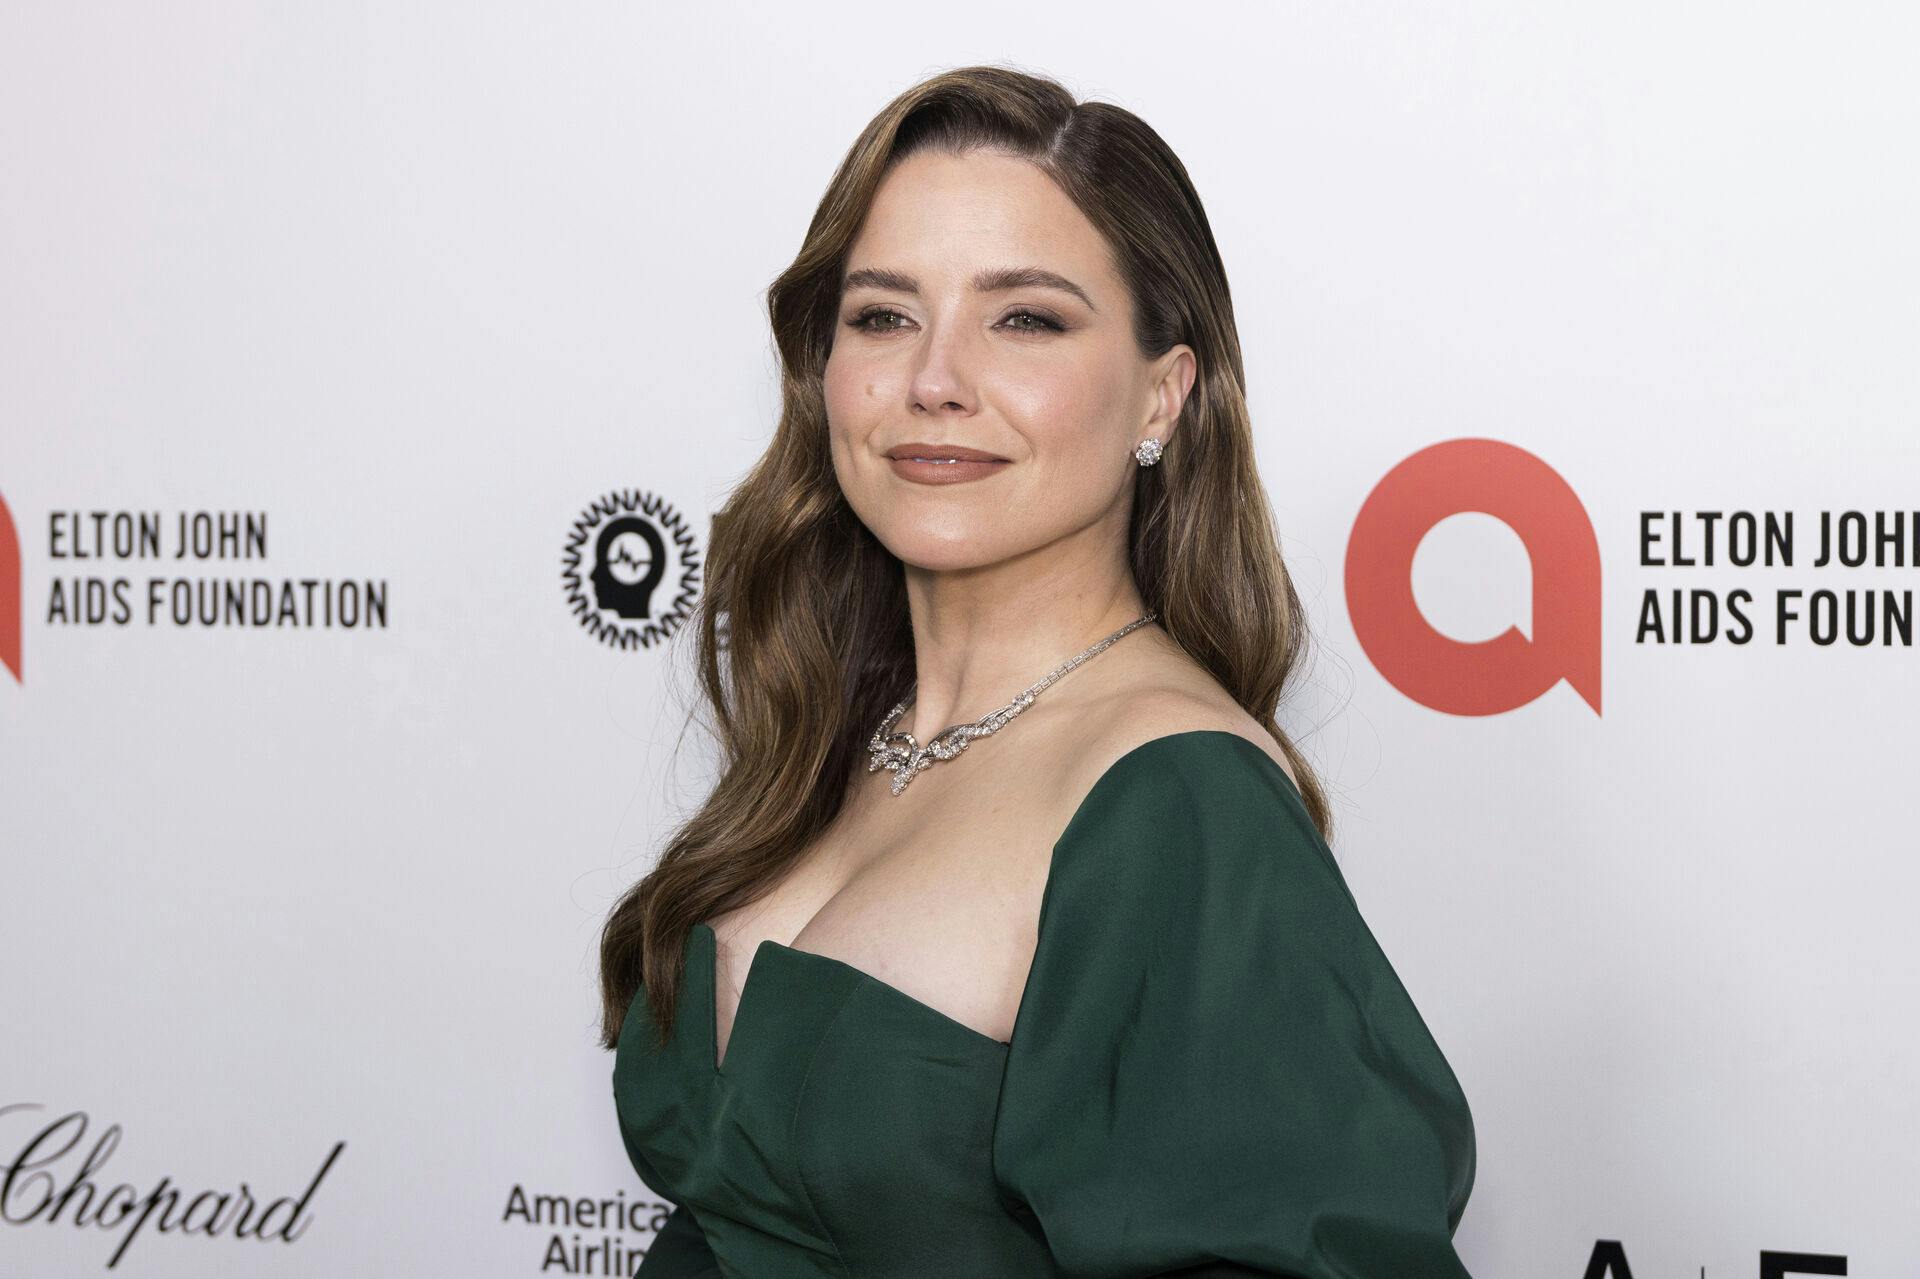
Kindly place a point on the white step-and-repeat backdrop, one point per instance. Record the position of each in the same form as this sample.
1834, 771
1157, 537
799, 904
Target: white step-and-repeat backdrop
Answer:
1581, 346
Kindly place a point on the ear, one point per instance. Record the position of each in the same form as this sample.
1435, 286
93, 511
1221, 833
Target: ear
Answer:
1173, 378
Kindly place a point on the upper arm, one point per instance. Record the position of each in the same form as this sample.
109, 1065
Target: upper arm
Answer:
1214, 1062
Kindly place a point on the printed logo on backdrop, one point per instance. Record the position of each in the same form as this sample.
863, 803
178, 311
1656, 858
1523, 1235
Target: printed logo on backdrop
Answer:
1729, 547
1609, 1261
581, 1235
631, 569
193, 579
48, 1181
1484, 677
11, 597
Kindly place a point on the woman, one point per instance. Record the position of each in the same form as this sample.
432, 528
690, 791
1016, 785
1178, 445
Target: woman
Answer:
1087, 996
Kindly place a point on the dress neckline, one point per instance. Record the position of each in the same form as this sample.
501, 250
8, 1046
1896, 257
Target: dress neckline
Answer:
1105, 781
770, 947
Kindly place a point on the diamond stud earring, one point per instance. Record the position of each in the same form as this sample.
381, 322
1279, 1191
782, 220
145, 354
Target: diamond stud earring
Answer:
1148, 453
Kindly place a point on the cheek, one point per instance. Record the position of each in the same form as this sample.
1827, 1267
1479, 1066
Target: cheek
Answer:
1072, 414
853, 392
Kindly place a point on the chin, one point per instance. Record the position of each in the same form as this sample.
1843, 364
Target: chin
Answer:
927, 550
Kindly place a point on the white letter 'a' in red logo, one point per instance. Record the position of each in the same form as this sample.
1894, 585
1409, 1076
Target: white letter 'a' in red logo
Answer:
1509, 670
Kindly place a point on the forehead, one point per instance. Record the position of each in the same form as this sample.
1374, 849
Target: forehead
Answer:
942, 216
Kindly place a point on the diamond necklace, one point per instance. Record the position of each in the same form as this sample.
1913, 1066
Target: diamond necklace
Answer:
908, 758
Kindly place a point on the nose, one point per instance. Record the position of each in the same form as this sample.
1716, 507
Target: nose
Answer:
944, 371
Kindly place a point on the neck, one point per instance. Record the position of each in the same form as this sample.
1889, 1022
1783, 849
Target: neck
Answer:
982, 635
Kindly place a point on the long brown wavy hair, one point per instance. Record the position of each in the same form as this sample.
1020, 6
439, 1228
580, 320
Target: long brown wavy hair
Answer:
803, 636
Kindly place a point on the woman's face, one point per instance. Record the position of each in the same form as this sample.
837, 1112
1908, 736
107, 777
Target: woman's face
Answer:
982, 310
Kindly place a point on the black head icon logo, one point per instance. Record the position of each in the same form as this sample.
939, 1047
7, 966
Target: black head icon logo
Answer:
631, 569
629, 559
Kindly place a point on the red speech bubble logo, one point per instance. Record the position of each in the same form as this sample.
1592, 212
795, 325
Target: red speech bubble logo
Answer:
1508, 671
10, 605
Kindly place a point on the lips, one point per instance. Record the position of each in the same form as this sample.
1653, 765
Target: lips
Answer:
943, 464
918, 452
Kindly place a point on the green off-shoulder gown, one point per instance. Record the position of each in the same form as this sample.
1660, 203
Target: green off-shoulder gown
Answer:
1214, 1071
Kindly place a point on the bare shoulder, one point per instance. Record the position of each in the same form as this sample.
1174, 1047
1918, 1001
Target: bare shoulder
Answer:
1162, 710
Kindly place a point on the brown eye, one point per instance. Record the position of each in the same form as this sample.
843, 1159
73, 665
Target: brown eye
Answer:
1040, 324
861, 321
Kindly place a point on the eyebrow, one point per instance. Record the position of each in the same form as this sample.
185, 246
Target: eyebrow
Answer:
991, 280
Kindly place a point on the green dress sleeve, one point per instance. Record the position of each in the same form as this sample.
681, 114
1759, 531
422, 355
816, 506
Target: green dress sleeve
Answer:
679, 1251
1214, 1065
